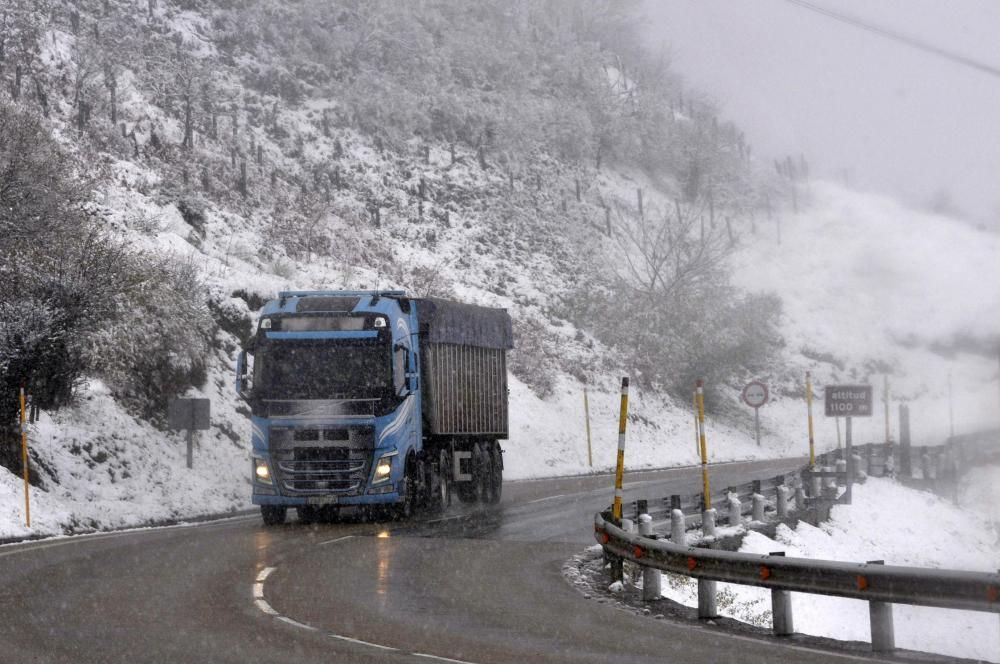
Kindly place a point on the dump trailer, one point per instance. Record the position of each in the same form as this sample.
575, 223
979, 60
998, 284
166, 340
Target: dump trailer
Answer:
374, 400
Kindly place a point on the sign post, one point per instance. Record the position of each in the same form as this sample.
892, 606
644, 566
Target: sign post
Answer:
848, 401
755, 395
190, 414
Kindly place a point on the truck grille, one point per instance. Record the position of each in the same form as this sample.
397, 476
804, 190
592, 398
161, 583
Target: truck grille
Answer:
322, 461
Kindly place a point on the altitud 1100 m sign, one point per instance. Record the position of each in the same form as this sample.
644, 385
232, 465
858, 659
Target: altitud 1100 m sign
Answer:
849, 401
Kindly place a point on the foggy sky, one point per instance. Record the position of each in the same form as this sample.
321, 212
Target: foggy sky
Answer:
900, 121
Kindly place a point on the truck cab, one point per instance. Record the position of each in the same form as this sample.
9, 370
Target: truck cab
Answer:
373, 400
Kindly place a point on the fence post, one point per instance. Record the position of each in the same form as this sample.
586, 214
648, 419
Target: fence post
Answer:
735, 511
650, 575
904, 440
781, 608
880, 615
677, 534
782, 502
800, 497
758, 508
708, 523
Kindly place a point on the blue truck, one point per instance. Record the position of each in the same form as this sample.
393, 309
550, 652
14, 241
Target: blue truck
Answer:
376, 401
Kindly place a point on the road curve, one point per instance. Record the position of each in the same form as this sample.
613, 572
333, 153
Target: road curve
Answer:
471, 586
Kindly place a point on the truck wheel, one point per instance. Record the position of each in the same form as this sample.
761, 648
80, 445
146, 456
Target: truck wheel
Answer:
440, 484
496, 475
475, 490
307, 514
273, 515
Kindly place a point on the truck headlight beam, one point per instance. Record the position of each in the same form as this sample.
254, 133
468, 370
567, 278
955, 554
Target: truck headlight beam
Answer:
261, 472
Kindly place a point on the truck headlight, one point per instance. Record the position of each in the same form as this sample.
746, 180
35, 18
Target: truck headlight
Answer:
383, 469
261, 472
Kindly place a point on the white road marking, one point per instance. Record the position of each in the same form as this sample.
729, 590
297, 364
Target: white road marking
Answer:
295, 623
540, 500
265, 607
362, 643
339, 539
440, 659
258, 593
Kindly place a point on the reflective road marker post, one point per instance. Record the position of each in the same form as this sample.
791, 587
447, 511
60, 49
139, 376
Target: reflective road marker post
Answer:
617, 564
620, 467
703, 446
586, 416
24, 458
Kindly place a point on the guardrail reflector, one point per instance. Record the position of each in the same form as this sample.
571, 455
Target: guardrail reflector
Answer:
993, 593
862, 583
638, 552
765, 572
605, 538
692, 563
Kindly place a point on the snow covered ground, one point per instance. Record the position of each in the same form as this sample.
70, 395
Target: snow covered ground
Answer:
887, 521
868, 287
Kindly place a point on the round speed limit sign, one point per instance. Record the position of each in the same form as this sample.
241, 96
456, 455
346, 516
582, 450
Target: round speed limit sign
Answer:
755, 394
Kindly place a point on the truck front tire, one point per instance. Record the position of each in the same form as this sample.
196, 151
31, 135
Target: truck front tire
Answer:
273, 515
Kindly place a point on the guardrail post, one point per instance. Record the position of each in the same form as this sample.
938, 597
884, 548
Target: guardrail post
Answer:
782, 502
758, 507
650, 575
857, 464
677, 534
735, 511
926, 465
708, 523
706, 599
800, 498
641, 507
781, 609
842, 468
817, 487
880, 614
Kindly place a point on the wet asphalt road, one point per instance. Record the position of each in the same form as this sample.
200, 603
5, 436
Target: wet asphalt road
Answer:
476, 585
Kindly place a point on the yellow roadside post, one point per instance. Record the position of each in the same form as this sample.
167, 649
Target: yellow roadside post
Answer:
703, 445
809, 411
620, 467
697, 427
586, 415
24, 458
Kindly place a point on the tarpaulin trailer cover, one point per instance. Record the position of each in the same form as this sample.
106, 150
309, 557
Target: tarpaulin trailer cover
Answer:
464, 324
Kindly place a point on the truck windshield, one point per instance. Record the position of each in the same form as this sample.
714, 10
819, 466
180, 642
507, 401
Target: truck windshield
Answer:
322, 370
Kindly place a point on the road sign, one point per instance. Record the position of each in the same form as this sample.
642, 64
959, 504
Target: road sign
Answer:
190, 414
848, 401
755, 394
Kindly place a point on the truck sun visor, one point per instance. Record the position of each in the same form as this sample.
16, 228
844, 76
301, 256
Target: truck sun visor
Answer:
465, 324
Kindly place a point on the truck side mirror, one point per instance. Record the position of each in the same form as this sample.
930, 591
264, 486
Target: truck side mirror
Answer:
242, 376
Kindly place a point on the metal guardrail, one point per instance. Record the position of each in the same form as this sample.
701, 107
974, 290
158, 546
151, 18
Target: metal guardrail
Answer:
881, 585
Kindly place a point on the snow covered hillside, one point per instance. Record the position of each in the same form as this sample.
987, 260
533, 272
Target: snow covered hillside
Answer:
871, 288
264, 156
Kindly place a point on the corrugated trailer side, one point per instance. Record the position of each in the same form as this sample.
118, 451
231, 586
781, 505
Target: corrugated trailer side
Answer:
464, 368
465, 390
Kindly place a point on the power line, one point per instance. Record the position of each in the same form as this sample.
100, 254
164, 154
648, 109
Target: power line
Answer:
912, 42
